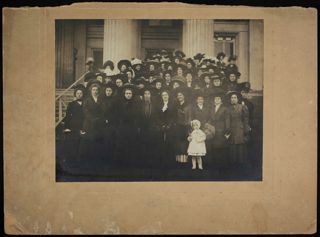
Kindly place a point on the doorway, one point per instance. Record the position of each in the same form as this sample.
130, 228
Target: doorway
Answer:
160, 34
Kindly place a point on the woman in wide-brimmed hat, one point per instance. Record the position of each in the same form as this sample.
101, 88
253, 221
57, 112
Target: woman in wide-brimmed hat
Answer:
181, 128
92, 135
239, 129
109, 106
138, 68
123, 65
220, 119
166, 116
231, 84
128, 117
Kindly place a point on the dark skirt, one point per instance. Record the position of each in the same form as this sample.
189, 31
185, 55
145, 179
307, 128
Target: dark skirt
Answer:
127, 149
181, 142
238, 153
148, 144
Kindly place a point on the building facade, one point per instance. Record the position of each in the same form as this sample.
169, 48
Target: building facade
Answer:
125, 39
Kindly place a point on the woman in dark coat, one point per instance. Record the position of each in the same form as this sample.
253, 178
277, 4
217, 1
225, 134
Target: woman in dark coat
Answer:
166, 117
128, 117
239, 130
231, 83
108, 106
182, 126
92, 134
220, 119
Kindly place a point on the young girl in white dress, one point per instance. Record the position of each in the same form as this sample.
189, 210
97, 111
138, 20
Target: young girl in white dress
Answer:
197, 146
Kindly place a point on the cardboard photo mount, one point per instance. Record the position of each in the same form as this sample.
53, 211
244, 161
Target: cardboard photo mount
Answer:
283, 203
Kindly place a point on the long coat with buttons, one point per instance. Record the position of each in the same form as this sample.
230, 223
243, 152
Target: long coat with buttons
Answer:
220, 119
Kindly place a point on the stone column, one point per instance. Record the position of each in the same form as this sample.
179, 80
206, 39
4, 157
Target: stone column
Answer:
64, 54
80, 44
243, 57
256, 54
121, 40
197, 37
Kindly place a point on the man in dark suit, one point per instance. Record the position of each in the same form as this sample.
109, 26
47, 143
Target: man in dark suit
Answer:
148, 127
72, 126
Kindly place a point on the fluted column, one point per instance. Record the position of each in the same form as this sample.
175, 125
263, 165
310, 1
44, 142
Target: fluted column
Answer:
197, 37
121, 39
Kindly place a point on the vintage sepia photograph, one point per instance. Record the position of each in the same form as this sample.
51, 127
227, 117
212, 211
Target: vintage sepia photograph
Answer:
160, 118
159, 100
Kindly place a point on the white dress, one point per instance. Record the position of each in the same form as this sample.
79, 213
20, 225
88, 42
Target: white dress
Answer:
197, 146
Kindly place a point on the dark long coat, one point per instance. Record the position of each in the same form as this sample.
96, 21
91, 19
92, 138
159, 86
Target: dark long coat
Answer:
148, 135
221, 121
239, 123
128, 117
109, 107
181, 129
91, 144
208, 93
165, 122
73, 121
239, 128
74, 117
203, 115
93, 117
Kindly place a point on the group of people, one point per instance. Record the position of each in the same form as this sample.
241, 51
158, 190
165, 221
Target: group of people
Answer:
161, 112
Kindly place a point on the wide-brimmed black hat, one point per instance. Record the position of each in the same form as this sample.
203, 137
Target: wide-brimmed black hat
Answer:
158, 79
109, 85
198, 93
232, 57
121, 76
181, 90
182, 65
230, 93
221, 54
148, 88
244, 86
79, 87
167, 72
156, 56
164, 52
102, 74
178, 79
108, 63
203, 75
215, 76
199, 56
129, 86
219, 93
189, 60
215, 68
89, 76
93, 82
166, 64
179, 53
124, 62
147, 64
235, 72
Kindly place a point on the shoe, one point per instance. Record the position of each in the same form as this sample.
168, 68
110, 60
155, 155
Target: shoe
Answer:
194, 168
200, 168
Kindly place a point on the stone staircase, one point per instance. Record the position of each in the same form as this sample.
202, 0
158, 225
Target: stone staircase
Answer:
66, 99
